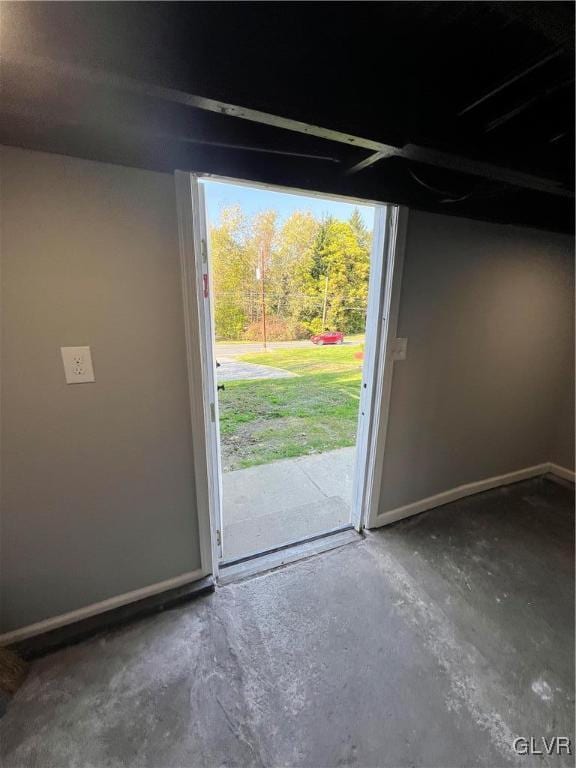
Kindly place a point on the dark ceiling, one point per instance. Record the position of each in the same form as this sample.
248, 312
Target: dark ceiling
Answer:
469, 104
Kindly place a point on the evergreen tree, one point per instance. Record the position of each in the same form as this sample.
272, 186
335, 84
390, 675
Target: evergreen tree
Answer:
357, 222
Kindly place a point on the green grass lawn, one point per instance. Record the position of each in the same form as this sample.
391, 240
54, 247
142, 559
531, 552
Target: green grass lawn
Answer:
317, 411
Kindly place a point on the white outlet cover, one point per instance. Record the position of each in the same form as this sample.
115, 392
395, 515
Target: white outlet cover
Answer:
400, 349
78, 367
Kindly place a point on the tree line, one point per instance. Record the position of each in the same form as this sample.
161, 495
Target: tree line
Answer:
305, 274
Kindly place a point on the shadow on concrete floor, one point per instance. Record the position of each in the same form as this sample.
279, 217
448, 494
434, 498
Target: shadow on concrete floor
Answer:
430, 643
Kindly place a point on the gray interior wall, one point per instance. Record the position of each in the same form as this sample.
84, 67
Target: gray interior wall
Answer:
98, 490
487, 387
97, 484
562, 452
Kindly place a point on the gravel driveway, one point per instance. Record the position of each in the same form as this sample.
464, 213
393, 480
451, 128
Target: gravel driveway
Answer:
232, 370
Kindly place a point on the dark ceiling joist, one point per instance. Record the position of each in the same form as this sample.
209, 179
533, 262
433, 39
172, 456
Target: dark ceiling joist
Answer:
115, 127
523, 106
151, 90
518, 75
375, 157
459, 164
558, 137
486, 170
445, 160
419, 154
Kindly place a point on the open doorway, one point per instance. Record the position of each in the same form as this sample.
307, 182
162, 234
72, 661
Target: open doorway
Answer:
289, 295
291, 340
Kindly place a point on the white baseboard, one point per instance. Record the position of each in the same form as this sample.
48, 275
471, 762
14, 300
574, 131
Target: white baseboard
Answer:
565, 474
385, 518
23, 633
415, 507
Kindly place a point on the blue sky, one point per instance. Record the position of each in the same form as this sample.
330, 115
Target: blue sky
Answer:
252, 200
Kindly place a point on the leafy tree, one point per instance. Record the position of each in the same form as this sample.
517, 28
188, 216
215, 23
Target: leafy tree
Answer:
315, 272
347, 264
295, 242
334, 279
230, 273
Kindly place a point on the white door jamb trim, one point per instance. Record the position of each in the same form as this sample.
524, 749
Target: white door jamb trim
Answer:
397, 220
192, 329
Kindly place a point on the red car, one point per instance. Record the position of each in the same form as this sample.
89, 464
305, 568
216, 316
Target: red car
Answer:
328, 337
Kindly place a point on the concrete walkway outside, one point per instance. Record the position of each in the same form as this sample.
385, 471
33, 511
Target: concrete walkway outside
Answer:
285, 501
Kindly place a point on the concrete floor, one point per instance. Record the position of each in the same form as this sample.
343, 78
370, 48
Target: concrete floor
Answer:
433, 642
285, 501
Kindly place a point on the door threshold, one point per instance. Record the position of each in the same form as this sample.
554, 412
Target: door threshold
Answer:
252, 565
260, 553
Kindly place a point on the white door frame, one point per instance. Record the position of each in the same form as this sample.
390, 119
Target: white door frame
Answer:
200, 367
384, 299
377, 379
363, 470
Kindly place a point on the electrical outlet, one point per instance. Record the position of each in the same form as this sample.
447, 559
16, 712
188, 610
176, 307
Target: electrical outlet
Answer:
78, 367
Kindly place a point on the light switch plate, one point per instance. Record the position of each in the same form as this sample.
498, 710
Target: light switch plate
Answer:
400, 349
78, 367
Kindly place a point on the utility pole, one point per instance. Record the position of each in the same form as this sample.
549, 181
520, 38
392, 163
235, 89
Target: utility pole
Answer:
263, 294
325, 301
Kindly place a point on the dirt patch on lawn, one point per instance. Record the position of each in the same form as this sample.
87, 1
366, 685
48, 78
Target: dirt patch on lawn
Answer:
262, 440
256, 443
234, 448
